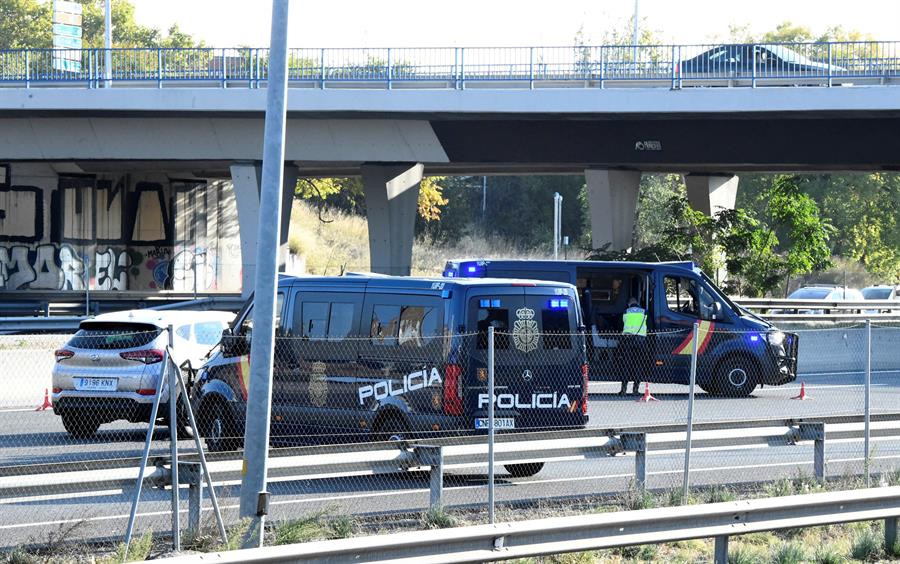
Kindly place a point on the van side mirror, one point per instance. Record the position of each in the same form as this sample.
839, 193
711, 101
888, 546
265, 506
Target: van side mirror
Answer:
234, 345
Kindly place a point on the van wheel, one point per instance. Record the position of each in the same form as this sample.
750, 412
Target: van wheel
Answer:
80, 425
390, 428
219, 428
736, 376
524, 470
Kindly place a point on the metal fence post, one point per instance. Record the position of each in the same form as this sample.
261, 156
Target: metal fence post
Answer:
194, 478
531, 68
829, 64
721, 550
674, 68
27, 68
868, 400
224, 69
173, 447
753, 67
159, 68
890, 534
390, 69
491, 425
321, 66
690, 414
462, 68
433, 456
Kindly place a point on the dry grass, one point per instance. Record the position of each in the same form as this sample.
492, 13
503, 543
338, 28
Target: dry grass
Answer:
338, 242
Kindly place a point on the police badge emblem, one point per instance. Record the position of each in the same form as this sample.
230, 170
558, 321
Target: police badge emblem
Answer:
525, 330
318, 386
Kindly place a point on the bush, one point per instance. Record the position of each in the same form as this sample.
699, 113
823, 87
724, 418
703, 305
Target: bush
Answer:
719, 494
789, 553
827, 554
438, 518
744, 555
634, 499
865, 545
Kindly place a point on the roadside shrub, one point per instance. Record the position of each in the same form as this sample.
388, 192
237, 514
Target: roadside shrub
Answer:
865, 545
302, 530
828, 554
634, 499
19, 557
138, 551
719, 494
789, 553
779, 488
438, 518
342, 527
744, 555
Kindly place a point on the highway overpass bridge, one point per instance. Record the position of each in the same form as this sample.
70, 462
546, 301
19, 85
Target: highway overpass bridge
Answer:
139, 175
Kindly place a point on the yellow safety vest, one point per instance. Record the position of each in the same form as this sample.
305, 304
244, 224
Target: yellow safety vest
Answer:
634, 322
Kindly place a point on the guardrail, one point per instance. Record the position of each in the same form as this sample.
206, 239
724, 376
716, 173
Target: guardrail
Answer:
509, 541
835, 311
439, 455
673, 66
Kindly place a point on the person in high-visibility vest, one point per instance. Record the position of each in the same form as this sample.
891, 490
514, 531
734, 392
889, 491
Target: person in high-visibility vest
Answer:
633, 346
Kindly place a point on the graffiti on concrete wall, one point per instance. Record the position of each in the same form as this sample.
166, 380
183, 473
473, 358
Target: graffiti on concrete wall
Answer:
61, 267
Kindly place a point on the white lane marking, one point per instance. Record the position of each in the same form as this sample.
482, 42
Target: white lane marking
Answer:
21, 410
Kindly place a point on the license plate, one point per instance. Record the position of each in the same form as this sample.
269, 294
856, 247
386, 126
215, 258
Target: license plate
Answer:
96, 384
499, 423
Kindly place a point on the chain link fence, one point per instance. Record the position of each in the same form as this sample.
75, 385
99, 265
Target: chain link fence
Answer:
352, 419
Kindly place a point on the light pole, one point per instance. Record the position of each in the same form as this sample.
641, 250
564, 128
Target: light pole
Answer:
635, 36
107, 65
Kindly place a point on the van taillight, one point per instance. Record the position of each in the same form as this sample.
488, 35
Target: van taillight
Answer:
63, 354
149, 356
453, 390
585, 377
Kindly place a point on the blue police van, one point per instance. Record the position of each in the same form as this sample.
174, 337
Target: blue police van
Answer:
738, 350
363, 357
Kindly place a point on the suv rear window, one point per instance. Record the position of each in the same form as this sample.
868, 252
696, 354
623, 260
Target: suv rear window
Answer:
113, 335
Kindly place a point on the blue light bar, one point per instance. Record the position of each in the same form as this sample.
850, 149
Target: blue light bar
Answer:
472, 269
485, 304
449, 274
559, 304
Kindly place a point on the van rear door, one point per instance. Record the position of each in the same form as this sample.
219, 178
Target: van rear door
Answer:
539, 357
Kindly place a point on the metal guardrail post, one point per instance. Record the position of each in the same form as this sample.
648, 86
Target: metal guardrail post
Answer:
690, 414
815, 432
433, 456
721, 551
490, 383
637, 442
890, 534
191, 474
173, 445
868, 402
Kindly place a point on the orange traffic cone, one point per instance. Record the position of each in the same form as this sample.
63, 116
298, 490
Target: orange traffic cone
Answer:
802, 395
46, 405
647, 397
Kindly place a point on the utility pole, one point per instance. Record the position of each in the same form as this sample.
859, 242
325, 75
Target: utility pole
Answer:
557, 224
254, 497
635, 36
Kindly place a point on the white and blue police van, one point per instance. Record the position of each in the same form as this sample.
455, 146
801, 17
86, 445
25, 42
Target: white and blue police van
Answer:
369, 357
737, 350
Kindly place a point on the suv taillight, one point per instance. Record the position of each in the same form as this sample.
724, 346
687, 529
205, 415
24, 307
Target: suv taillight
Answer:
149, 356
63, 354
585, 377
453, 390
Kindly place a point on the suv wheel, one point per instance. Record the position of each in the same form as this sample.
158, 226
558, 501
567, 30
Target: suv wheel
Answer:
80, 425
219, 428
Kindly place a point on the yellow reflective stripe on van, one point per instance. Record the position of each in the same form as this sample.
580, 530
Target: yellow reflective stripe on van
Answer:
243, 375
706, 330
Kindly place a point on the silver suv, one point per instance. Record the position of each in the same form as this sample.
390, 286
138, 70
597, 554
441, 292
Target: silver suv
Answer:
111, 367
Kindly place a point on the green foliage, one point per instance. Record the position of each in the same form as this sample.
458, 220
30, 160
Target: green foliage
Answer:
438, 518
789, 553
719, 494
633, 499
828, 554
317, 526
27, 23
741, 554
138, 551
865, 545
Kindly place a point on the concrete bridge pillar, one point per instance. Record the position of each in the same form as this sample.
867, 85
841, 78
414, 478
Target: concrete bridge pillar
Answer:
246, 180
612, 197
711, 194
392, 196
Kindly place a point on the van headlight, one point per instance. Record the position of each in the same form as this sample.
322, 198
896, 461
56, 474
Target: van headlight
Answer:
776, 338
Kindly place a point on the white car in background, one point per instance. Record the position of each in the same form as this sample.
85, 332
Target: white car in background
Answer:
882, 292
824, 293
110, 369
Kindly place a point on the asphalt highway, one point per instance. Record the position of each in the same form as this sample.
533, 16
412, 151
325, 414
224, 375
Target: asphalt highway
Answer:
29, 437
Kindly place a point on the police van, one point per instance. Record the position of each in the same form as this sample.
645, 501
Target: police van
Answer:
737, 350
364, 357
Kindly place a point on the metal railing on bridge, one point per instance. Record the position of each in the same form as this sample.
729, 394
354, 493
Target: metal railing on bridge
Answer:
673, 66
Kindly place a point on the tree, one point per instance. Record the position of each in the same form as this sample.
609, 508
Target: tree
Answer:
25, 24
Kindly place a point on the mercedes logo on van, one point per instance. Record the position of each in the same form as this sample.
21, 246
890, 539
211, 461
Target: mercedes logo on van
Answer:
95, 357
527, 375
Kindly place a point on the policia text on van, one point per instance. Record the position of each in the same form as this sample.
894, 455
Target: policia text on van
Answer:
381, 358
737, 350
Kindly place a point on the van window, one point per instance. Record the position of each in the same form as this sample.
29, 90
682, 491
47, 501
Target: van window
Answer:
555, 323
184, 332
687, 297
208, 332
247, 324
407, 326
498, 318
320, 320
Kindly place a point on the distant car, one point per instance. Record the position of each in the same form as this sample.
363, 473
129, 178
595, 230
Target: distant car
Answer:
824, 293
110, 368
741, 59
881, 292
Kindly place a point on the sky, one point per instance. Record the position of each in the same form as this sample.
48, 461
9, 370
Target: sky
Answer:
497, 23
